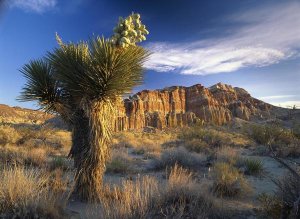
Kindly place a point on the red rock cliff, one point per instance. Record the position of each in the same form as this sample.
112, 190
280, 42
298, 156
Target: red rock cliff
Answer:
180, 106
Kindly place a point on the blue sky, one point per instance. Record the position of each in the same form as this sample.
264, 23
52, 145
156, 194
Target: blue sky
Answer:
251, 44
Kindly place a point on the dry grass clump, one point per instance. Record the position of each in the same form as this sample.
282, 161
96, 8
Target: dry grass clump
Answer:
227, 155
142, 142
35, 136
180, 156
289, 193
11, 155
31, 145
205, 138
59, 143
180, 197
285, 201
228, 181
36, 157
60, 163
8, 135
120, 162
26, 194
270, 206
133, 199
185, 198
23, 156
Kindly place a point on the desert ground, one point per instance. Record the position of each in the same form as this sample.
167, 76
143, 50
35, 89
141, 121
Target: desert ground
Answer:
202, 171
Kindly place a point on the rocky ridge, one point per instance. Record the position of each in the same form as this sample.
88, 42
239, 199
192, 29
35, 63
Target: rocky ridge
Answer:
179, 106
174, 106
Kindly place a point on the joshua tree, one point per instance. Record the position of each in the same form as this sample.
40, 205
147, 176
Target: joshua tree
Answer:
82, 82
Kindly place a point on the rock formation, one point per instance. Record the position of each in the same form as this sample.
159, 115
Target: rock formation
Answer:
174, 106
181, 106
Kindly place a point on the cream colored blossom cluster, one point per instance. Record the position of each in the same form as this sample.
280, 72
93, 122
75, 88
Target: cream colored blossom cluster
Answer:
129, 31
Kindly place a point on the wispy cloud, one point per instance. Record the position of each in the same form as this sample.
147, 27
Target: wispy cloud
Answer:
38, 6
265, 37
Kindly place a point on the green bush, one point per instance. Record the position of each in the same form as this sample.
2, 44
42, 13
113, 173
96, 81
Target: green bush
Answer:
253, 166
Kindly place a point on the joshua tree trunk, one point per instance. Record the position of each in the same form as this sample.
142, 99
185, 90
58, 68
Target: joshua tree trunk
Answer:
80, 137
92, 166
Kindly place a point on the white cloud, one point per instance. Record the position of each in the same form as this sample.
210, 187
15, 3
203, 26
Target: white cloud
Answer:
287, 104
265, 37
276, 97
38, 6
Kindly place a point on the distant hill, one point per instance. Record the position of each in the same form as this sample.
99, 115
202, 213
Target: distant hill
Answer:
17, 115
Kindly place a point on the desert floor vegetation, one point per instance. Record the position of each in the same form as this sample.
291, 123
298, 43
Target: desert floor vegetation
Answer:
150, 175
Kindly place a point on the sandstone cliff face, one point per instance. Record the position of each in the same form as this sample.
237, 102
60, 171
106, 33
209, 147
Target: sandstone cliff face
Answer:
181, 106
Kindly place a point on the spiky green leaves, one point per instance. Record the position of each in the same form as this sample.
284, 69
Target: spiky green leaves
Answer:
97, 70
129, 31
41, 84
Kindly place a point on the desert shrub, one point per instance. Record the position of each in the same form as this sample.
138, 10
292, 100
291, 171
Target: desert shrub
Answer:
185, 198
23, 156
133, 199
60, 141
142, 143
58, 184
253, 166
197, 145
8, 135
26, 194
296, 129
274, 134
261, 150
227, 155
58, 162
289, 193
141, 139
180, 156
120, 163
291, 150
283, 141
35, 157
263, 134
228, 181
284, 203
206, 138
210, 136
270, 206
180, 197
11, 155
34, 132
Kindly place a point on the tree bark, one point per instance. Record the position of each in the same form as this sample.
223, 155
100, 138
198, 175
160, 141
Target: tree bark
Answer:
80, 137
92, 164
